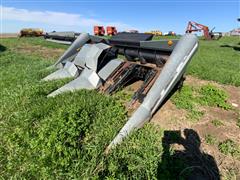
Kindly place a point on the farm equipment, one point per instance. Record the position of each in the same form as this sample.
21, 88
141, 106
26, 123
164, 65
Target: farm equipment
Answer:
155, 33
159, 66
31, 32
208, 35
111, 30
170, 33
66, 37
99, 31
133, 31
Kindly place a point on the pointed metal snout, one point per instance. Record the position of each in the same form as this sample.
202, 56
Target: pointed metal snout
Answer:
72, 51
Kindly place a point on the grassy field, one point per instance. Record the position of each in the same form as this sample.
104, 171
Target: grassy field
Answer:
215, 62
65, 137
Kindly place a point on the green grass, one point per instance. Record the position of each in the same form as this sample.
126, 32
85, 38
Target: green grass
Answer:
124, 96
194, 115
213, 96
213, 62
184, 98
37, 41
229, 147
210, 139
217, 122
190, 98
231, 174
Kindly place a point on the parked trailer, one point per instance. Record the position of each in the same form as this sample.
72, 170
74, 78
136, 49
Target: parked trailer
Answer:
158, 65
155, 33
31, 32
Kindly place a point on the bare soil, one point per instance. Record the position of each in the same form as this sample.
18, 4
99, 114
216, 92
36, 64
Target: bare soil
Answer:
8, 35
40, 51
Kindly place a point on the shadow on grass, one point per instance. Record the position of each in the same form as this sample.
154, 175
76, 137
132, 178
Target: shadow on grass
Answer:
235, 47
188, 161
2, 48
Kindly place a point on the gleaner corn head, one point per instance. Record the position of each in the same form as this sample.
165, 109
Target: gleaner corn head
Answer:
65, 37
94, 64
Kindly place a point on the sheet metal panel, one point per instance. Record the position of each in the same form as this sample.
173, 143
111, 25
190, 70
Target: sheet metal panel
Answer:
93, 55
108, 69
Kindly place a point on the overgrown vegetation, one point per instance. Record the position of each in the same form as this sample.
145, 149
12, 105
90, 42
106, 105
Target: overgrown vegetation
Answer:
212, 96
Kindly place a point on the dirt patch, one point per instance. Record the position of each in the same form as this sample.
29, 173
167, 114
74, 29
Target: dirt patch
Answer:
171, 118
8, 35
134, 87
227, 118
44, 52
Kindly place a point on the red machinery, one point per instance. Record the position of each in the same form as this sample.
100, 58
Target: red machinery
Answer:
196, 27
111, 30
99, 31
